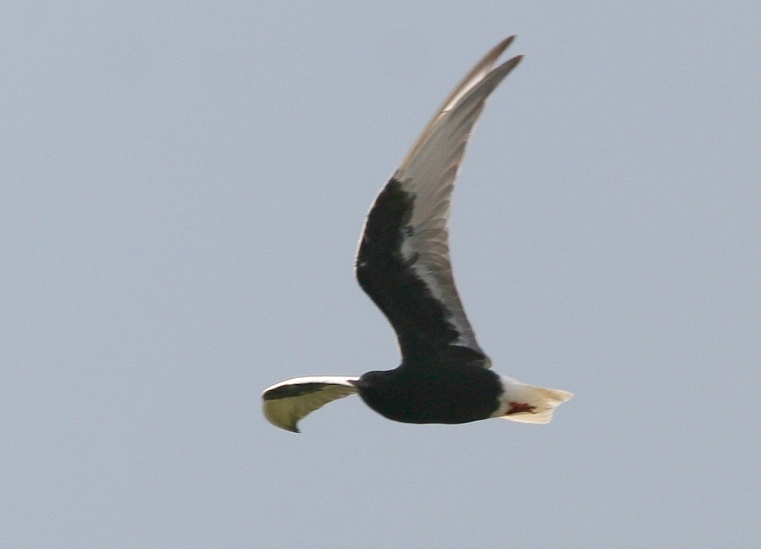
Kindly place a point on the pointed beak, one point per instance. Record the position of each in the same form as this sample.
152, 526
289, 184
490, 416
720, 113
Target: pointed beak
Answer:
359, 384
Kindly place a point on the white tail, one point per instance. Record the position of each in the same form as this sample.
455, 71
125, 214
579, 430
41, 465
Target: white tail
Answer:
528, 404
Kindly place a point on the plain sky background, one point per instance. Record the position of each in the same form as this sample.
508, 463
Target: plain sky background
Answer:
182, 188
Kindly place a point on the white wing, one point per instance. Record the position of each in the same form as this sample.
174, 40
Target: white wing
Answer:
403, 259
289, 401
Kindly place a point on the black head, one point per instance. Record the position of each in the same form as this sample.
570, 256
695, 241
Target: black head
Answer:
369, 380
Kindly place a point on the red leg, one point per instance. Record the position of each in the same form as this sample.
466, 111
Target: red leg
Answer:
518, 407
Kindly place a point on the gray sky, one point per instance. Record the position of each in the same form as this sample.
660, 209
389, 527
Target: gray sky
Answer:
183, 186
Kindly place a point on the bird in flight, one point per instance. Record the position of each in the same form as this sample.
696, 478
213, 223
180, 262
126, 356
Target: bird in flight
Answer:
403, 265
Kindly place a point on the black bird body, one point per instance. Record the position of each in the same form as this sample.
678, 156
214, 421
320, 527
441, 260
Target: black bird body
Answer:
403, 265
442, 394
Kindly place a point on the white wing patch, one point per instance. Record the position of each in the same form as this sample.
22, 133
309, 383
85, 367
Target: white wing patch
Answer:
287, 402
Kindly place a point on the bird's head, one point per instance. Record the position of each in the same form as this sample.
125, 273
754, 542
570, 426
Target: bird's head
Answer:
368, 380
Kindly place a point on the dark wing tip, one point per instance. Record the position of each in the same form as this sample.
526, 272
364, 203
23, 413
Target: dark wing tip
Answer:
502, 46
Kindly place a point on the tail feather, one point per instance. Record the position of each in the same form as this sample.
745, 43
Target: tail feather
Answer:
528, 404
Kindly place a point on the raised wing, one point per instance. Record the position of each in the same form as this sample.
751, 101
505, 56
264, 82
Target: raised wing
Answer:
289, 401
403, 258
